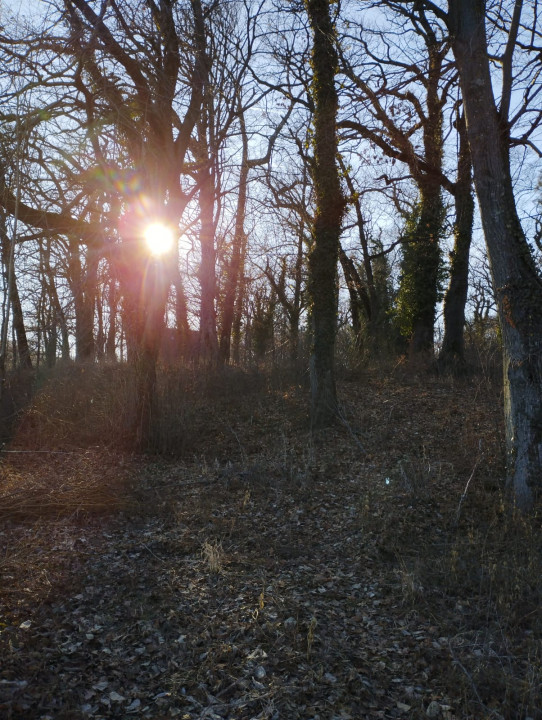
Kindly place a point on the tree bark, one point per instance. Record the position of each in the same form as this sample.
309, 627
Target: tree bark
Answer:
49, 281
110, 343
207, 270
83, 304
360, 301
239, 309
420, 269
517, 285
15, 301
297, 303
426, 249
330, 206
452, 354
234, 267
185, 336
362, 296
144, 303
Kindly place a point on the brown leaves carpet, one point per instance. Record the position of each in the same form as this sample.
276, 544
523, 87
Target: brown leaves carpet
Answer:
370, 571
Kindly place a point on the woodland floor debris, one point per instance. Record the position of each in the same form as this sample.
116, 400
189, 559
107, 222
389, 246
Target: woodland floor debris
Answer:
274, 575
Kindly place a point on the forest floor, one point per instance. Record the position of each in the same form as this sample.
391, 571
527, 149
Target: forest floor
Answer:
369, 571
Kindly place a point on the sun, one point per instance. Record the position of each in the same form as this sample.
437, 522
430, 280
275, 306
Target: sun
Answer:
159, 238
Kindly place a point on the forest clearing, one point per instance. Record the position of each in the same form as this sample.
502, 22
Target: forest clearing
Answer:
366, 571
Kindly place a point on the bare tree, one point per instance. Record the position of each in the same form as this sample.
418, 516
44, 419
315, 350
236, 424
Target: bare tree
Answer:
330, 206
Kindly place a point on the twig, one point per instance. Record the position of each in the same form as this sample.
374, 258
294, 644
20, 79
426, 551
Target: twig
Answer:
147, 548
464, 494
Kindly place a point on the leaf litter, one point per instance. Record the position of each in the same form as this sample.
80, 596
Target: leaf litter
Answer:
276, 574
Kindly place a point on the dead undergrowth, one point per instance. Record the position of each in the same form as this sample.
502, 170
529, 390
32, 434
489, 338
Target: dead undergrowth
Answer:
371, 571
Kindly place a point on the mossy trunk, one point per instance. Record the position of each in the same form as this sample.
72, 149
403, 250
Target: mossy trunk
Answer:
421, 267
420, 270
330, 205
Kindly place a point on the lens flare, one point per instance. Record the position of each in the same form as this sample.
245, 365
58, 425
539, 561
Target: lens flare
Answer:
159, 238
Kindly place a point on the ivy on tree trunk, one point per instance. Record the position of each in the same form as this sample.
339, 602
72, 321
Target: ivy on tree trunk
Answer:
420, 271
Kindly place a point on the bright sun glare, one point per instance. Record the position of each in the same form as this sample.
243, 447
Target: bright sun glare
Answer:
159, 238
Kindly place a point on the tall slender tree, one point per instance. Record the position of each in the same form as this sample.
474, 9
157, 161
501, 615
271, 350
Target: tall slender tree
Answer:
330, 207
452, 354
13, 301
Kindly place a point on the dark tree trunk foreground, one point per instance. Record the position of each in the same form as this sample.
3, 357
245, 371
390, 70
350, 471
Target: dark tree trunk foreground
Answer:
330, 205
517, 285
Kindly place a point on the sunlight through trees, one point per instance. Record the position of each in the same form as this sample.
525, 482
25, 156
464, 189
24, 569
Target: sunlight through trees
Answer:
291, 185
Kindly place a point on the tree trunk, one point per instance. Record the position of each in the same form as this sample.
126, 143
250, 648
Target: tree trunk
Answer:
50, 286
100, 332
15, 301
239, 306
110, 343
358, 293
234, 268
295, 314
207, 271
517, 285
144, 304
51, 340
368, 297
420, 268
19, 328
182, 327
206, 150
452, 355
420, 287
84, 309
330, 206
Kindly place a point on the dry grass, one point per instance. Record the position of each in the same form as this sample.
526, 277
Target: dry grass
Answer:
213, 555
36, 484
77, 407
87, 406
